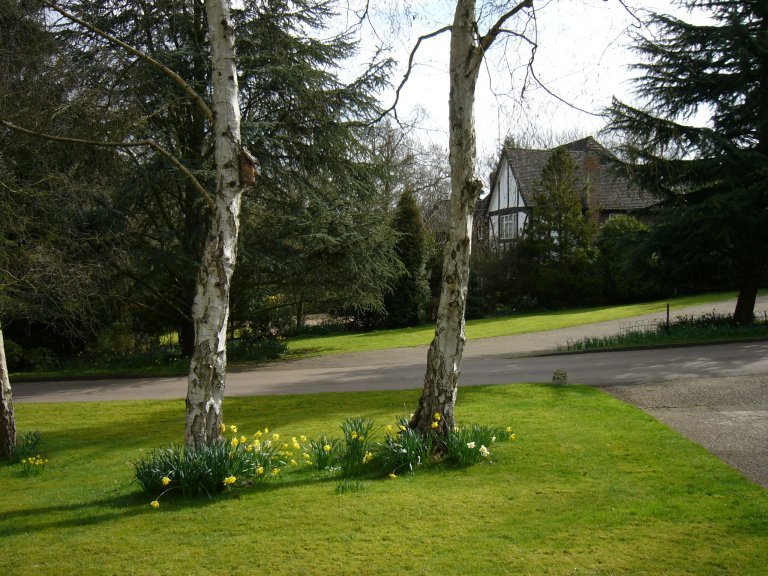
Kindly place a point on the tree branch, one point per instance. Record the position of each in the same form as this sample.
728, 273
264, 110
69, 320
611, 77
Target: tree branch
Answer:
178, 80
112, 144
409, 70
497, 28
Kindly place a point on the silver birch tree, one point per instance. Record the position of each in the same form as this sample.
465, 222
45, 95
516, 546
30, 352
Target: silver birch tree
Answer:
7, 421
211, 306
210, 311
468, 48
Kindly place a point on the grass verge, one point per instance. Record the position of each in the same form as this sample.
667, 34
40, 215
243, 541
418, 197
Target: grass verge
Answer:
592, 486
489, 327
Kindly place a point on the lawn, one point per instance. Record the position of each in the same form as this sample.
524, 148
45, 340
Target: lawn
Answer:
591, 486
490, 327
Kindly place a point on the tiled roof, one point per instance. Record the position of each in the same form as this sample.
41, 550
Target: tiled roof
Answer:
614, 191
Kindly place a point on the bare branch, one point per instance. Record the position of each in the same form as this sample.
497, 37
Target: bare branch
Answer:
409, 70
123, 144
497, 28
178, 80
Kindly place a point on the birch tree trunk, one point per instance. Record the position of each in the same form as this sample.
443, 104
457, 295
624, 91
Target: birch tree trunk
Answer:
210, 310
7, 420
445, 352
444, 356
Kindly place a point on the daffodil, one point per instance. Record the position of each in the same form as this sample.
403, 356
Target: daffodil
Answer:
327, 448
401, 427
305, 456
353, 435
233, 429
235, 442
229, 480
266, 430
512, 437
275, 471
155, 504
165, 481
393, 475
258, 435
470, 444
275, 436
390, 428
222, 428
437, 416
435, 425
509, 429
484, 451
367, 458
303, 438
260, 470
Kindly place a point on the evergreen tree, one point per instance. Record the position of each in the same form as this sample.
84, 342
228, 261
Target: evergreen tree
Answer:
552, 264
407, 302
713, 176
556, 228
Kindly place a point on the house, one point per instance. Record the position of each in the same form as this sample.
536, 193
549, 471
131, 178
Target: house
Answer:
502, 214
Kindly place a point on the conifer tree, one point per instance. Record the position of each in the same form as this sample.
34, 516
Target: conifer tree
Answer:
713, 176
407, 302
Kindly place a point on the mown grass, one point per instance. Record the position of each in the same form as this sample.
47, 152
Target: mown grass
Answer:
591, 486
489, 327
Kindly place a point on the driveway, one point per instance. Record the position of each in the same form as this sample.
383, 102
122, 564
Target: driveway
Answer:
715, 395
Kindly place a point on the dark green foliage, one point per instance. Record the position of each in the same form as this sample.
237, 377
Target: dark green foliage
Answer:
406, 304
553, 264
314, 233
713, 177
629, 270
556, 228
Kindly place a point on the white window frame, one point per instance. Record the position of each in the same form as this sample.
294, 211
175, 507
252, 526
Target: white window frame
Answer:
508, 226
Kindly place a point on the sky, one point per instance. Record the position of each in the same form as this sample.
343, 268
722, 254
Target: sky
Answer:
582, 57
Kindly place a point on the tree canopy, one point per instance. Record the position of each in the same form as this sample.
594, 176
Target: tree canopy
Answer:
712, 176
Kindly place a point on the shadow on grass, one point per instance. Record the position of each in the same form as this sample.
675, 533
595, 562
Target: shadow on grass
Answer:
134, 504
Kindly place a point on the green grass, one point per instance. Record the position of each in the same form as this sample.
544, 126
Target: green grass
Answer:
591, 486
489, 327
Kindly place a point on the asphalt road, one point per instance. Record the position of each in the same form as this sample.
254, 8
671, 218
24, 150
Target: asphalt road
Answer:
716, 395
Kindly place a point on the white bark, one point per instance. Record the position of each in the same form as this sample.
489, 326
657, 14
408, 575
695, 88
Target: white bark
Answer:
7, 421
210, 311
447, 348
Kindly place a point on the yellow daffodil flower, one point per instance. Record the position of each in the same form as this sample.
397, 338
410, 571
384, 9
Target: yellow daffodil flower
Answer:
235, 442
165, 481
435, 425
393, 475
327, 448
437, 416
155, 504
233, 429
229, 480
